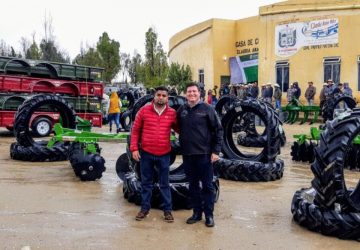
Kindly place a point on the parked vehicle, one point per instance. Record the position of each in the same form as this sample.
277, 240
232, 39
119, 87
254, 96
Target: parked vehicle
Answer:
79, 85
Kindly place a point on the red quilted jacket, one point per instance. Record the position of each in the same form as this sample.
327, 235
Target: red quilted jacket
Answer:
153, 130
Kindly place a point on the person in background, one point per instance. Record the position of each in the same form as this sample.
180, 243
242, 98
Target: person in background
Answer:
310, 93
338, 89
290, 93
254, 90
277, 96
114, 111
150, 144
209, 97
268, 93
200, 137
297, 90
262, 94
329, 89
347, 90
322, 96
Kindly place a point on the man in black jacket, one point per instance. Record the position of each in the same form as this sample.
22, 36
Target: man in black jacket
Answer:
200, 138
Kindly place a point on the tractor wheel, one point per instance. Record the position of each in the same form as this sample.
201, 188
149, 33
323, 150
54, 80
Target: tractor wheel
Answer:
125, 120
272, 147
123, 166
326, 221
25, 111
330, 159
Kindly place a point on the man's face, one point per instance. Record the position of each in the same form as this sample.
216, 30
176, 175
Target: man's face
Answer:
161, 97
192, 94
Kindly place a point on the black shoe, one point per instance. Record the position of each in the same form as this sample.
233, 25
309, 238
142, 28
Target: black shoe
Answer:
209, 221
194, 218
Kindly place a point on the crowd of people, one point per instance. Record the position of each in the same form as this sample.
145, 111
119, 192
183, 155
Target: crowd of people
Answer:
272, 93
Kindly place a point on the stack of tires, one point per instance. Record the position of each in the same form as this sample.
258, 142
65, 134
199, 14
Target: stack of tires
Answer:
240, 166
129, 171
329, 207
86, 166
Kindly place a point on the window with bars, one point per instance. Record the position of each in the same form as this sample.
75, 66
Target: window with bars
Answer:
282, 74
332, 69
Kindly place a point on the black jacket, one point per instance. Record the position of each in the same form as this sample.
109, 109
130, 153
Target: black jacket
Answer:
200, 129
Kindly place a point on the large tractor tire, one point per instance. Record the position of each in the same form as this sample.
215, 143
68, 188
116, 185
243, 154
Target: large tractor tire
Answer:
39, 153
331, 103
249, 171
25, 111
331, 156
326, 221
125, 120
123, 166
224, 104
272, 132
129, 97
139, 104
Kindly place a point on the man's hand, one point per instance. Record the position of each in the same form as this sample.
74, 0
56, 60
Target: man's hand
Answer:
136, 155
214, 157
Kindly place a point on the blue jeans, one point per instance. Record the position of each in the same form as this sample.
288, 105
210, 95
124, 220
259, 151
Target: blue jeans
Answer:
148, 162
114, 117
277, 104
198, 168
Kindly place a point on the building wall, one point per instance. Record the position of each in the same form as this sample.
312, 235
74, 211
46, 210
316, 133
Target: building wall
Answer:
228, 38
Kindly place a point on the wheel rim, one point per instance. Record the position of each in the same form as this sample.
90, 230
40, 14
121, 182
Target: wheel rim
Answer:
43, 128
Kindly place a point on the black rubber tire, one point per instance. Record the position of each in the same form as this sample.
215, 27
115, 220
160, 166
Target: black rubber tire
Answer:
35, 126
129, 97
123, 166
328, 222
330, 104
179, 192
248, 170
140, 103
88, 167
125, 120
224, 104
272, 132
25, 111
39, 153
330, 158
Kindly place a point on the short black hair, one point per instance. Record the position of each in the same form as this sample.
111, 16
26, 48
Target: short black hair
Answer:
192, 84
161, 88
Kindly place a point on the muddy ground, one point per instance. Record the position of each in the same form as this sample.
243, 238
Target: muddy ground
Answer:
44, 206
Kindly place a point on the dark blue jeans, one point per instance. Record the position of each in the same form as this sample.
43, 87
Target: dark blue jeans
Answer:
198, 168
116, 118
148, 162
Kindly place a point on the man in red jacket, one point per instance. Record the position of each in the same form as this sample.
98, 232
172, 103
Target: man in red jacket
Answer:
152, 127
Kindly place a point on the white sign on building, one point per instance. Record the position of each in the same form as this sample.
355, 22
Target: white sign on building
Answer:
291, 37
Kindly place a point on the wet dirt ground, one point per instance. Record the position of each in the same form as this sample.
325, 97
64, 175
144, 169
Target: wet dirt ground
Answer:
44, 206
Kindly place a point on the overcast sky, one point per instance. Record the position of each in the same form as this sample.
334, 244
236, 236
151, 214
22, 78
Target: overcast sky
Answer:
79, 21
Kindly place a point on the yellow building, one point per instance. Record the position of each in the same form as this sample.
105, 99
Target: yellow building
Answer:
302, 40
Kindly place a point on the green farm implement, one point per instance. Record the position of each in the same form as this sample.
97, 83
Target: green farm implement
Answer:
295, 107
